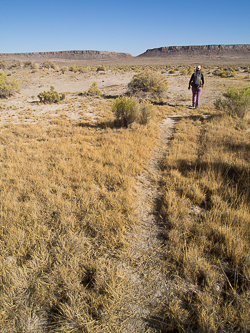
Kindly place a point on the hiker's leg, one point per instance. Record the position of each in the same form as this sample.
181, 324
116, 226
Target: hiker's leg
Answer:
199, 90
193, 96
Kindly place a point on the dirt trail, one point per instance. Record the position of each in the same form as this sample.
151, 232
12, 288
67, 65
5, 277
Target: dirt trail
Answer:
143, 262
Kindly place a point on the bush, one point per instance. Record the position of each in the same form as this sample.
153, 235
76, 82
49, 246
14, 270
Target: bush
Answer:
93, 90
29, 64
126, 111
148, 82
15, 65
145, 113
7, 87
48, 64
80, 69
172, 71
224, 72
49, 97
3, 64
101, 69
237, 103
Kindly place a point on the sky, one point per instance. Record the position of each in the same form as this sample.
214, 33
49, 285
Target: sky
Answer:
130, 26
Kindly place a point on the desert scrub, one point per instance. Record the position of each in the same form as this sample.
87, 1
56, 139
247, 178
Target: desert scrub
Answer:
3, 64
235, 103
15, 65
148, 83
205, 209
67, 202
8, 87
126, 111
49, 97
224, 72
101, 69
146, 112
48, 64
94, 90
29, 64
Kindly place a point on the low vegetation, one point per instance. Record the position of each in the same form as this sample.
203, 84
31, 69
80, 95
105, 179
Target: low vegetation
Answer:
48, 64
148, 84
68, 196
205, 209
127, 110
67, 201
236, 102
49, 97
8, 87
94, 90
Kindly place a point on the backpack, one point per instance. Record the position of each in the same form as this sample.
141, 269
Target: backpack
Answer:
197, 79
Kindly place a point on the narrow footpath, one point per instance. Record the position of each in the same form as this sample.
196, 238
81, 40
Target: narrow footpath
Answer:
143, 261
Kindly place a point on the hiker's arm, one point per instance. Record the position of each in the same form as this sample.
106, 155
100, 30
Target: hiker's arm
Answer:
192, 77
202, 80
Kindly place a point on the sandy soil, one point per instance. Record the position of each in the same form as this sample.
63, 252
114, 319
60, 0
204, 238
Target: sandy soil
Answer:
111, 83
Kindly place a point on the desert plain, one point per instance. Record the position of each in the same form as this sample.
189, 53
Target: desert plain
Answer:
112, 229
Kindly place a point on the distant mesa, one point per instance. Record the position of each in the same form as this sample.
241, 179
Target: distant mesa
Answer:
239, 53
203, 51
66, 55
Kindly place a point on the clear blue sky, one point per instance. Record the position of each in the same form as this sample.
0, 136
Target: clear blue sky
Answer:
131, 26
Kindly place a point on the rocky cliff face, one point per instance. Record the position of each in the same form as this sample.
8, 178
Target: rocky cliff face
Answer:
205, 52
67, 55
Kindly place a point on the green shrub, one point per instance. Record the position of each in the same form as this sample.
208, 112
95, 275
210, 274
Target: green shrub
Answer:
3, 64
49, 97
80, 69
48, 64
148, 82
172, 71
7, 87
126, 111
224, 72
93, 90
237, 103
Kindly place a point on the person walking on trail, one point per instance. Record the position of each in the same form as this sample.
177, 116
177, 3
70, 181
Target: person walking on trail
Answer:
197, 82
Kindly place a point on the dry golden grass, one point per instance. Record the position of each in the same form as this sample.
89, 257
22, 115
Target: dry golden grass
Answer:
205, 209
67, 198
67, 202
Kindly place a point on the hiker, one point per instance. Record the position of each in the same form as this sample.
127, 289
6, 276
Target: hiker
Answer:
197, 82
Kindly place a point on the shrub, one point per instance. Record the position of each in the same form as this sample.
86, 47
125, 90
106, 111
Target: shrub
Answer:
80, 69
101, 69
93, 90
3, 64
126, 111
237, 103
49, 97
148, 82
15, 65
7, 87
48, 64
172, 71
224, 72
29, 64
145, 113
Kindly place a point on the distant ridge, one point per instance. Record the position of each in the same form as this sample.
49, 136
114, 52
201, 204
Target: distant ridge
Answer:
203, 52
213, 54
66, 55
